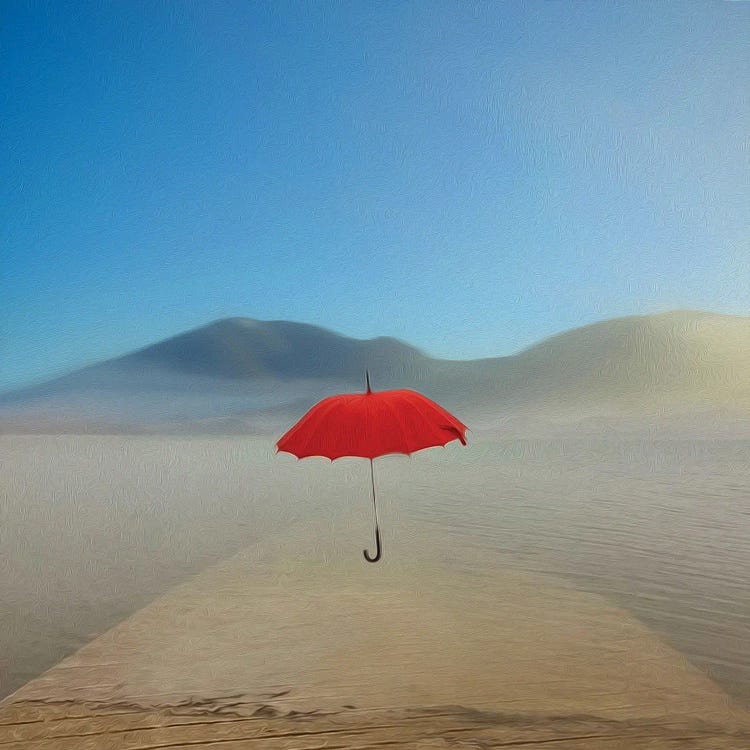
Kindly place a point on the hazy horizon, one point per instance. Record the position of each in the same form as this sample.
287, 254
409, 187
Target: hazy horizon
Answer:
237, 376
41, 379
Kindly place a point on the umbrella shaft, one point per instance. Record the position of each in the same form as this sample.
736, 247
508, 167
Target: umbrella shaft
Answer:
372, 482
376, 557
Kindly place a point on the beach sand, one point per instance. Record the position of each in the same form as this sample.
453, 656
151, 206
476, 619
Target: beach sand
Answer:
284, 646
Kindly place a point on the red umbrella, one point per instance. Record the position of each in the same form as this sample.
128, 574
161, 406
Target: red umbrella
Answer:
369, 425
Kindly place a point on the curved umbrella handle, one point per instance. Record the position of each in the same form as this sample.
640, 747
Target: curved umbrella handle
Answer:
376, 557
377, 543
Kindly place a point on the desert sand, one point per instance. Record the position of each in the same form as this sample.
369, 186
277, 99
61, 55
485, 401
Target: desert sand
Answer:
284, 646
455, 638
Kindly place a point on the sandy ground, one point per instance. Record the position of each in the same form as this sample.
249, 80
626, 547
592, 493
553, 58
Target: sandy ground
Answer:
285, 647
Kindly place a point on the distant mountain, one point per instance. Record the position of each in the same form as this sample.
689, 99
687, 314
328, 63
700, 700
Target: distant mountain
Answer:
238, 373
220, 375
242, 349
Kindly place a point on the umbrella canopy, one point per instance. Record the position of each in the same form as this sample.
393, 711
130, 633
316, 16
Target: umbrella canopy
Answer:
372, 424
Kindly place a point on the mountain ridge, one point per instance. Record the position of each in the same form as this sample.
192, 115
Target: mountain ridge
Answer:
680, 359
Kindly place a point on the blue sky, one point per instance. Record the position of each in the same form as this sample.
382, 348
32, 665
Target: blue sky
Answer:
469, 177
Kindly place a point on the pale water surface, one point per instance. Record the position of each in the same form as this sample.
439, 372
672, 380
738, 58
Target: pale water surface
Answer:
93, 528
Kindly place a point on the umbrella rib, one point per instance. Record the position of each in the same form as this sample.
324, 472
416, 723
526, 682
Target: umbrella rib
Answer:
417, 410
442, 412
301, 423
395, 413
417, 404
323, 414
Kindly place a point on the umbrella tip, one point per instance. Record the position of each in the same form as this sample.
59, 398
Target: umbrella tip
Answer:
367, 380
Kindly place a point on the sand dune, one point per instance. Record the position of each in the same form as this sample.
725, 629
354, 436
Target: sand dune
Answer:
239, 374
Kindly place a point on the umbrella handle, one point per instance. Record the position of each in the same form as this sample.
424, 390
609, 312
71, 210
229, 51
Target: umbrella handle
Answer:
376, 557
